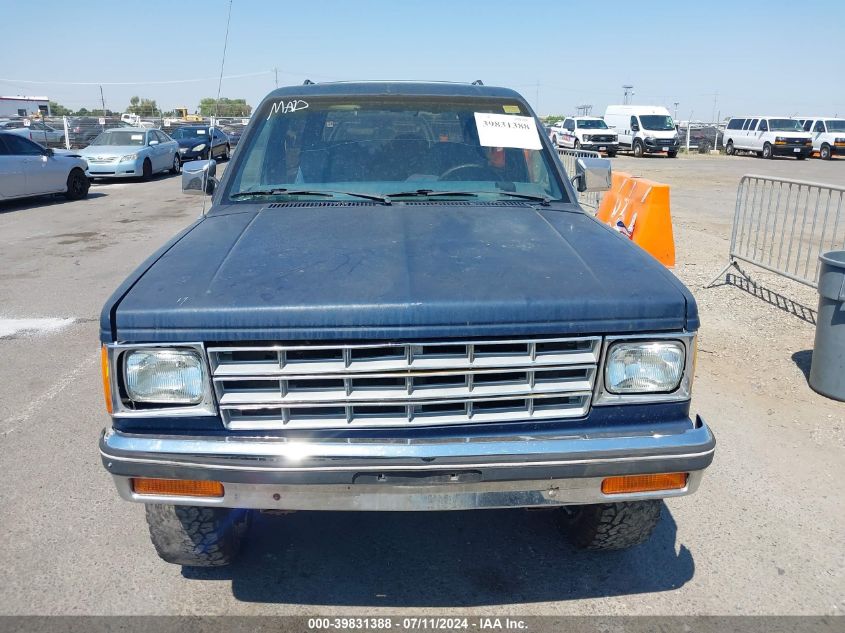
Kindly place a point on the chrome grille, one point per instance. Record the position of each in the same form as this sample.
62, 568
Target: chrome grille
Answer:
395, 384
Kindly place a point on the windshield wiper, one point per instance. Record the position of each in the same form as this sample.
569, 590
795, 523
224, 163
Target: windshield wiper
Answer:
431, 193
283, 191
544, 200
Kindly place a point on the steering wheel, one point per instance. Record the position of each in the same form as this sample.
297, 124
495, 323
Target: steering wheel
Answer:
483, 169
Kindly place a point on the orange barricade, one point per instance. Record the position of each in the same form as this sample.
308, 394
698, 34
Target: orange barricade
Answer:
639, 208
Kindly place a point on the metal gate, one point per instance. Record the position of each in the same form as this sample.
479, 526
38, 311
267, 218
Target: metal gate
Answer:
784, 225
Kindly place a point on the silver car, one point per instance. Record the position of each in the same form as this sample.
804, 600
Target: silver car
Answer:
28, 169
132, 152
36, 131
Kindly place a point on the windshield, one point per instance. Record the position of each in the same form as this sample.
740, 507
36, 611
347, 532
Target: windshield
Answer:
119, 138
390, 145
785, 125
835, 125
657, 122
190, 132
592, 124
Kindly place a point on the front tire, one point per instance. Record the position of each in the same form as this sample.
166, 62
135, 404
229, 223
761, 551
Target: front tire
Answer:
611, 526
77, 185
177, 165
196, 536
227, 153
611, 154
147, 170
672, 154
767, 151
729, 148
577, 145
554, 141
824, 152
638, 149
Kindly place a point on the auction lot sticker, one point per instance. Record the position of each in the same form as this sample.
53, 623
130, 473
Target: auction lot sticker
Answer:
505, 130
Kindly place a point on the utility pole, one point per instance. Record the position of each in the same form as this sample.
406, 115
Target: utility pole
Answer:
585, 109
676, 109
103, 100
629, 92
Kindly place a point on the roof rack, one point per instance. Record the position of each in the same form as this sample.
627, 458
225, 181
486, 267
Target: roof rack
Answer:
307, 82
477, 82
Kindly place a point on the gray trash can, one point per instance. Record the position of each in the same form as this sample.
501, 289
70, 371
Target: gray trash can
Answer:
827, 370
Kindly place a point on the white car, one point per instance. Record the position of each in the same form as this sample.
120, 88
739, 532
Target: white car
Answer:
28, 169
587, 133
828, 135
767, 136
644, 129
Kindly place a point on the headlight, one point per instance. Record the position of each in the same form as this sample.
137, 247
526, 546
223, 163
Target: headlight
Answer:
839, 140
198, 148
644, 367
587, 137
650, 139
164, 376
780, 139
129, 157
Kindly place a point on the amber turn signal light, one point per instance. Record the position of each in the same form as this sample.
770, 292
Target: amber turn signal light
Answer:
176, 487
104, 366
643, 483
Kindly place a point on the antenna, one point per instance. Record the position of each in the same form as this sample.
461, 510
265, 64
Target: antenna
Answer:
629, 92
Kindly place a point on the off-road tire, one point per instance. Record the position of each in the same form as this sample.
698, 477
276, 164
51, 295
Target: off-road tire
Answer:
196, 536
147, 170
729, 148
611, 526
767, 151
639, 152
824, 152
77, 185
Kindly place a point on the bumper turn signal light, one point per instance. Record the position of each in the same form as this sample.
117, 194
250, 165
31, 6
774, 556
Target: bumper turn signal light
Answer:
643, 483
176, 487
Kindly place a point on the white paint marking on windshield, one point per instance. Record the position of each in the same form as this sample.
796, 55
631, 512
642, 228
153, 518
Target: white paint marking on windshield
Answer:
286, 107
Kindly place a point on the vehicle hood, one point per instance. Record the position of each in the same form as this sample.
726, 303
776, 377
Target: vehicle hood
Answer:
662, 134
325, 271
191, 142
93, 151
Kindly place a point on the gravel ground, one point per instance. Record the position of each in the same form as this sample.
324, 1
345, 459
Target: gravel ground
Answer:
762, 536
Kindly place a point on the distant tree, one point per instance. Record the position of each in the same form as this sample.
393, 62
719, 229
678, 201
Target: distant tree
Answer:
142, 106
224, 107
82, 111
57, 109
552, 119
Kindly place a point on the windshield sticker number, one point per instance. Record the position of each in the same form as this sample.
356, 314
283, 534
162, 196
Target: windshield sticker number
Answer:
506, 130
286, 107
137, 137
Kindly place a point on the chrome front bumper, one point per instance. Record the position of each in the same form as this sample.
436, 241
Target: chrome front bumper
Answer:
454, 474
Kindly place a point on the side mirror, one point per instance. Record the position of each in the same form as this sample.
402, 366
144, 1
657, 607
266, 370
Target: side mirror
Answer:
153, 142
635, 128
198, 177
49, 151
592, 174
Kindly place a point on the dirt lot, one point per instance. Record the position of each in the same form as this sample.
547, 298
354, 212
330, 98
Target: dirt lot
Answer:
762, 536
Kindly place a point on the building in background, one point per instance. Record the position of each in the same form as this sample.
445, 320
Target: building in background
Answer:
24, 106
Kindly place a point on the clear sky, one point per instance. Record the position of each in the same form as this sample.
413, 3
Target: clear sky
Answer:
738, 57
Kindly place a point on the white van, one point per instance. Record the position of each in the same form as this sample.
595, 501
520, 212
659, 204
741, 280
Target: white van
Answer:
644, 129
828, 135
767, 136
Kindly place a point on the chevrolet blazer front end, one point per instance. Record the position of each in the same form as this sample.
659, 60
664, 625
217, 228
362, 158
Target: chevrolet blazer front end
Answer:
394, 303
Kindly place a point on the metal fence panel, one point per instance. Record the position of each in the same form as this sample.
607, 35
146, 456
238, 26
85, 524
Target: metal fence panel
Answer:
784, 225
587, 199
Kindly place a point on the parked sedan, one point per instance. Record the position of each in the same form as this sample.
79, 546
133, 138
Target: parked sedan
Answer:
36, 131
200, 142
132, 152
28, 169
